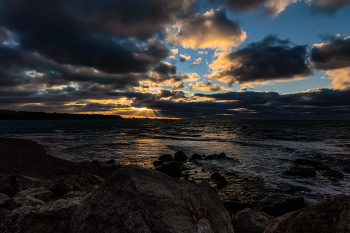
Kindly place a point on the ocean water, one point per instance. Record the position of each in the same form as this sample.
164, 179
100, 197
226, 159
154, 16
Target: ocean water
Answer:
259, 151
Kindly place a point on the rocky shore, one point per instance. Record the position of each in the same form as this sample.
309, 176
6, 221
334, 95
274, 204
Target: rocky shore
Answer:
40, 193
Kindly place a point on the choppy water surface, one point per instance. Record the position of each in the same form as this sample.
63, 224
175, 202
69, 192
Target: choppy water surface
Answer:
261, 150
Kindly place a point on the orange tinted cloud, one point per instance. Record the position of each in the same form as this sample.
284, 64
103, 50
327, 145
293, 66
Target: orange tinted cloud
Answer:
207, 87
341, 78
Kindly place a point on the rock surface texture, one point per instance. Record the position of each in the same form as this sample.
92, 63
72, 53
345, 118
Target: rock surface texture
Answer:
135, 199
328, 216
250, 221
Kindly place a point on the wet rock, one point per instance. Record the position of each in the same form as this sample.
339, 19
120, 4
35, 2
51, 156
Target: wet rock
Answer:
116, 166
26, 201
52, 217
301, 171
250, 221
221, 156
328, 216
135, 199
286, 206
42, 194
171, 169
111, 161
196, 156
321, 167
157, 163
166, 157
61, 186
26, 182
235, 206
210, 157
334, 173
219, 178
7, 185
180, 156
346, 170
306, 162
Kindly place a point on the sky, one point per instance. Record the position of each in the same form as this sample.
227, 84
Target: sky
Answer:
203, 59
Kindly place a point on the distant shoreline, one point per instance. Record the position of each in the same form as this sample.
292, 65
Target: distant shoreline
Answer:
26, 115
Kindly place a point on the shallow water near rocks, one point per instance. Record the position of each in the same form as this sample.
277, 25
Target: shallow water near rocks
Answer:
259, 151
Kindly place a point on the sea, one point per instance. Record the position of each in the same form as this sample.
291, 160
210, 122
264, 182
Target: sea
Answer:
258, 151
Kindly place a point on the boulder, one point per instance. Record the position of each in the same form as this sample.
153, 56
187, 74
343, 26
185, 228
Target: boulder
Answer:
328, 216
301, 171
286, 206
321, 167
221, 156
3, 199
306, 162
157, 163
7, 185
236, 206
73, 194
250, 221
42, 194
61, 186
6, 202
180, 156
196, 156
334, 174
219, 178
210, 157
136, 199
26, 182
48, 218
171, 169
166, 157
111, 161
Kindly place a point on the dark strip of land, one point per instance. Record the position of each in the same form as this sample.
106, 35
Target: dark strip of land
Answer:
25, 157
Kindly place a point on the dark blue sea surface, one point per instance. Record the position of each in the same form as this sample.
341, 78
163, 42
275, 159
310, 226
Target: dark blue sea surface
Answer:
260, 151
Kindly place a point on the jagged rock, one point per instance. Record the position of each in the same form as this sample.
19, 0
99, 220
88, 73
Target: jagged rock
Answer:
250, 221
306, 162
73, 194
157, 163
7, 185
328, 216
93, 179
196, 156
221, 156
135, 199
48, 218
286, 206
180, 156
219, 178
3, 199
166, 157
26, 182
210, 157
26, 201
171, 169
301, 171
334, 173
42, 194
61, 186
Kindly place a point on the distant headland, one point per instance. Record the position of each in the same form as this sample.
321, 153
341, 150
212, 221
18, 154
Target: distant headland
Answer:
26, 115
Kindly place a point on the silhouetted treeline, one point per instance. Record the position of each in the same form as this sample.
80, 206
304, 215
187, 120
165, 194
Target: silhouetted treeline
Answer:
24, 115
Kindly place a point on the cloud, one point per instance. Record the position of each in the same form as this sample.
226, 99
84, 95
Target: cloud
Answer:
192, 77
174, 51
328, 6
197, 61
211, 30
207, 87
261, 62
271, 7
202, 52
341, 78
184, 57
331, 54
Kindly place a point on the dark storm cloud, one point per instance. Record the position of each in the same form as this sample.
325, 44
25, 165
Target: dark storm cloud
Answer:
269, 59
328, 6
332, 54
97, 34
165, 68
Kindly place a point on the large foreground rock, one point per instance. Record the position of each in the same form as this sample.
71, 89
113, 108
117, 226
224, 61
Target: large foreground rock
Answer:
135, 199
250, 221
328, 216
50, 218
